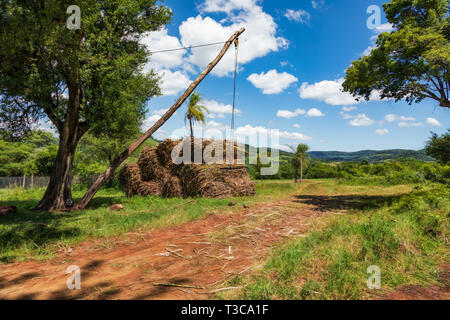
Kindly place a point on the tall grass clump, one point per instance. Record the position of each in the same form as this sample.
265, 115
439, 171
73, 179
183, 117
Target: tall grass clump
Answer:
408, 241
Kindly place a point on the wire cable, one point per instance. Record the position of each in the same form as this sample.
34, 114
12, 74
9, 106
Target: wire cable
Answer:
191, 47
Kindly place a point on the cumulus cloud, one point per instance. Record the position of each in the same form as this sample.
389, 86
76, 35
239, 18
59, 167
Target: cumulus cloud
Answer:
160, 40
299, 15
314, 112
296, 125
219, 110
348, 109
361, 120
394, 117
331, 92
328, 91
172, 82
433, 122
385, 27
404, 124
272, 82
382, 132
259, 39
290, 114
250, 131
150, 121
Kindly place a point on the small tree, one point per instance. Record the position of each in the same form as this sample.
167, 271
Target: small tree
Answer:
439, 147
195, 112
300, 160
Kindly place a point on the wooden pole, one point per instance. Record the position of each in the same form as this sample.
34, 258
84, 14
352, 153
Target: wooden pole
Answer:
136, 144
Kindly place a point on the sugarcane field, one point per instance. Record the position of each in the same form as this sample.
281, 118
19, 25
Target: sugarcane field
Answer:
224, 159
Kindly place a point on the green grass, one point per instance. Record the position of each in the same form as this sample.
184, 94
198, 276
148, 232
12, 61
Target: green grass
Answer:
406, 236
38, 235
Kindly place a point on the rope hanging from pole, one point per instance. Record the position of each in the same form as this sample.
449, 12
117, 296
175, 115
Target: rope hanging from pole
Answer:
236, 46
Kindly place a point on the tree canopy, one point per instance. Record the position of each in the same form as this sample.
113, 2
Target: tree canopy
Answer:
411, 62
196, 111
439, 147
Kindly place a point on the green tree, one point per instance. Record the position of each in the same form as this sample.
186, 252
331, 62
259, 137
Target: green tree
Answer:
300, 161
410, 63
195, 112
439, 147
82, 80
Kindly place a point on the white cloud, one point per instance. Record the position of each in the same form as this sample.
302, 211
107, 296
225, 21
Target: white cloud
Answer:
394, 117
382, 132
272, 82
314, 112
172, 82
218, 110
296, 125
160, 40
433, 122
386, 27
290, 114
299, 15
348, 109
259, 39
159, 112
317, 3
361, 120
346, 116
404, 124
328, 91
150, 121
250, 131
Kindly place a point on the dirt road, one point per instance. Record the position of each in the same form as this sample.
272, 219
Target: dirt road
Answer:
199, 256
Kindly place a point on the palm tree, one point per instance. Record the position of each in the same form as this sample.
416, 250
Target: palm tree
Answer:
300, 159
195, 111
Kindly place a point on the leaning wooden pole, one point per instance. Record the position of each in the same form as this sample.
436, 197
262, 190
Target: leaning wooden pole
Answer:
136, 144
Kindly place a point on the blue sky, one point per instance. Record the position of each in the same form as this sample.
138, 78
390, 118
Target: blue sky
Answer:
292, 59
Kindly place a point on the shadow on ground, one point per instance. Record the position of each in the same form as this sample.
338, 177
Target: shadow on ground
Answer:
347, 202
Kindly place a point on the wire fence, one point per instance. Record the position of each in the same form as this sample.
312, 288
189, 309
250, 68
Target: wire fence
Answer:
29, 182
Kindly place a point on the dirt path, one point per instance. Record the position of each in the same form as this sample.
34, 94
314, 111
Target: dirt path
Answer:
203, 253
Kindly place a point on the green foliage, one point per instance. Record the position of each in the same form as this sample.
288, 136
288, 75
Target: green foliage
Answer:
410, 63
33, 154
300, 160
195, 112
439, 147
407, 240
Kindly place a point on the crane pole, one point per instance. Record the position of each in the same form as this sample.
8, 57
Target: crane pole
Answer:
137, 143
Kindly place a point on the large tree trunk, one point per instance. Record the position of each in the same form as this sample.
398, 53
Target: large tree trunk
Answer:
126, 153
58, 196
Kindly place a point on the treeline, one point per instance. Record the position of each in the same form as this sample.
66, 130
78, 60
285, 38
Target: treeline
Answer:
389, 172
35, 153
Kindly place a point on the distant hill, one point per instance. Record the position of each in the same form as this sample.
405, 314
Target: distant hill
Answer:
370, 155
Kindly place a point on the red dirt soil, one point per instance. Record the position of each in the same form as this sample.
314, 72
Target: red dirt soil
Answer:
201, 254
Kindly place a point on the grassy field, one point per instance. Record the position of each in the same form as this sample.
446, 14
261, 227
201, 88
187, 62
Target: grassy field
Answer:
38, 235
405, 235
402, 229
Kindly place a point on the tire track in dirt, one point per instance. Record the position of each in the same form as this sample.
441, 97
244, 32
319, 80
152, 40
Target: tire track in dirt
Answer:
203, 254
